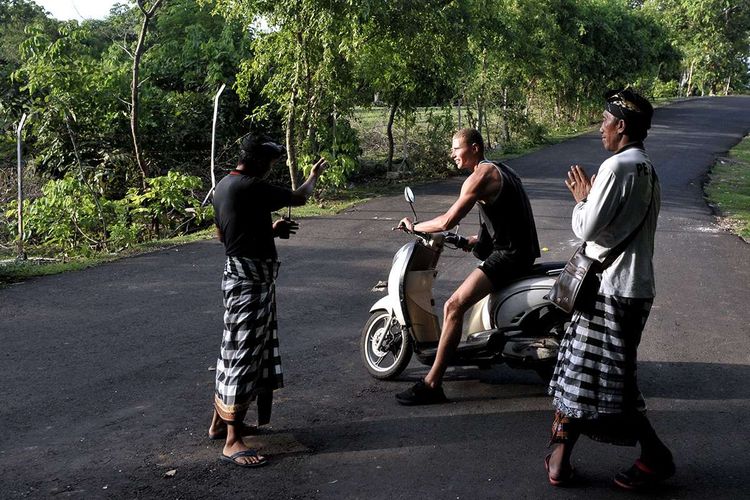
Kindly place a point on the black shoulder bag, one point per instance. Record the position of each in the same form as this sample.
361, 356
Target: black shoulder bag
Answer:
579, 273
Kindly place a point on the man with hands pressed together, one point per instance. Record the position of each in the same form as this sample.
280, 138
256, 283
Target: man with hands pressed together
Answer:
594, 386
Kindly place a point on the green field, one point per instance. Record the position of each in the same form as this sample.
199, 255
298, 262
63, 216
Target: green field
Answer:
728, 189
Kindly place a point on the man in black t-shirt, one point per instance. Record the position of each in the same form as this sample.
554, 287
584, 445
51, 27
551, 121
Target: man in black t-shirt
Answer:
249, 365
243, 205
511, 240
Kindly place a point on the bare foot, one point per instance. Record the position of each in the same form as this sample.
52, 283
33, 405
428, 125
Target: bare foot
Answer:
250, 458
557, 469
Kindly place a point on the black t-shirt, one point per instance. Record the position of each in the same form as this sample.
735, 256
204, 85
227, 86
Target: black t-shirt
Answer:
243, 206
510, 219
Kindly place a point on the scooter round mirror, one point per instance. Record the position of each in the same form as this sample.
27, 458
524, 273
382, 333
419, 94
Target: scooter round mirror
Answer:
408, 195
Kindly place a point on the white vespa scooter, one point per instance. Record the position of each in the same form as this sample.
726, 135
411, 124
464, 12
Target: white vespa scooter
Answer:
514, 325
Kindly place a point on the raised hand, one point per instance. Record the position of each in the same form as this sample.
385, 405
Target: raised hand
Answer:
319, 167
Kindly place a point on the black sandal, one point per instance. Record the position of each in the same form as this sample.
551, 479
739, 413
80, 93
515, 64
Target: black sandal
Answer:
640, 476
421, 394
232, 459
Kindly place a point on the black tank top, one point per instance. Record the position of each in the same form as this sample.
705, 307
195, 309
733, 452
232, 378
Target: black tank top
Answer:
509, 219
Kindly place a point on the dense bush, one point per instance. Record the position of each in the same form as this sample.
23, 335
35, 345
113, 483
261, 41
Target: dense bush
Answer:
73, 217
430, 151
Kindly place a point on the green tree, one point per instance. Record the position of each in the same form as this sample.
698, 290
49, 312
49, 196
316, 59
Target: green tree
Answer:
408, 53
714, 39
15, 17
194, 51
302, 61
148, 11
75, 93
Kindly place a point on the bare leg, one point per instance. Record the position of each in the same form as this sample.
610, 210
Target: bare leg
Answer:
218, 428
234, 442
653, 451
217, 425
471, 291
559, 461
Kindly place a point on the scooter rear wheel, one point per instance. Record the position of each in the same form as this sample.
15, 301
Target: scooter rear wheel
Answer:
385, 347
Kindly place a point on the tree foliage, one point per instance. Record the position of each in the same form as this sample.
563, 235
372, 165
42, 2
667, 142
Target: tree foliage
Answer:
305, 70
713, 37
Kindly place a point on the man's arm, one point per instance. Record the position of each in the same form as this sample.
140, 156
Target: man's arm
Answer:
302, 193
594, 213
483, 183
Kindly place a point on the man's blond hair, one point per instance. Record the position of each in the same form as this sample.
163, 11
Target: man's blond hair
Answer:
470, 136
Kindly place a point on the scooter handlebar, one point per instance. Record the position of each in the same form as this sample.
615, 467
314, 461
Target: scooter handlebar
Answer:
455, 239
415, 233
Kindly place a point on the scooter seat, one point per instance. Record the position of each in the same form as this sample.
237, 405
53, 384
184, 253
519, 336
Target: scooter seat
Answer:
547, 268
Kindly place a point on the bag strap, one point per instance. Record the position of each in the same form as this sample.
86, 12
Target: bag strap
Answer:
616, 251
483, 223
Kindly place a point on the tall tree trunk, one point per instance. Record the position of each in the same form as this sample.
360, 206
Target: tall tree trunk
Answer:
688, 90
460, 125
487, 138
481, 105
389, 131
506, 126
135, 83
291, 142
291, 148
480, 115
101, 243
406, 142
307, 122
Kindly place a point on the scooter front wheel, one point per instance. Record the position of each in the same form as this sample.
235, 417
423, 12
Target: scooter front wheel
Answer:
386, 348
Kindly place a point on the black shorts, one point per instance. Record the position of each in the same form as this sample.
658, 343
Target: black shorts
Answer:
500, 268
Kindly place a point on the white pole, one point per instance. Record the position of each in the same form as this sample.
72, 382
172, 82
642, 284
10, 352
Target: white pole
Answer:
213, 142
21, 253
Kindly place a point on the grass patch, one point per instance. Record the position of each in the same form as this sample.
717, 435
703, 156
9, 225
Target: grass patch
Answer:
39, 263
728, 189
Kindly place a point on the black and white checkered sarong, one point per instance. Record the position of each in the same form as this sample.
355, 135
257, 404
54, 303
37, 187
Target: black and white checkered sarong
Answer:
249, 362
595, 375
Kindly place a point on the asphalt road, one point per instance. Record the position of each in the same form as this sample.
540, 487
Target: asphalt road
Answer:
106, 382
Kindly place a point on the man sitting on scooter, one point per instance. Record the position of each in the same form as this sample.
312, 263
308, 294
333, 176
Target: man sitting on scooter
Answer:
510, 238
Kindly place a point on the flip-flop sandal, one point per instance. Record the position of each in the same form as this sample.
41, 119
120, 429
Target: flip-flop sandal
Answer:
247, 430
640, 476
245, 453
558, 481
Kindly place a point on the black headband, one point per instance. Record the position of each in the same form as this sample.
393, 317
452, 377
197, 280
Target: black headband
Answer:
635, 110
619, 105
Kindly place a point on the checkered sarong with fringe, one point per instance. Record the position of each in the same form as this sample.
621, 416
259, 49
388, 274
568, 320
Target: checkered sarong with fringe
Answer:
249, 361
595, 374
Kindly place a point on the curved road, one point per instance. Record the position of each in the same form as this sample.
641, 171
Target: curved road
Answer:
106, 382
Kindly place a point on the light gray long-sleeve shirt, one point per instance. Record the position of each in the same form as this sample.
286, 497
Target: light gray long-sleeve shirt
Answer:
616, 205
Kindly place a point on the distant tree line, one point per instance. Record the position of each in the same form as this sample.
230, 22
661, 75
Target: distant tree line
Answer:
114, 103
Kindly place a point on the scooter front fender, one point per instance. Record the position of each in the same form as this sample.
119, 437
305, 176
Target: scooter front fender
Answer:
384, 303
